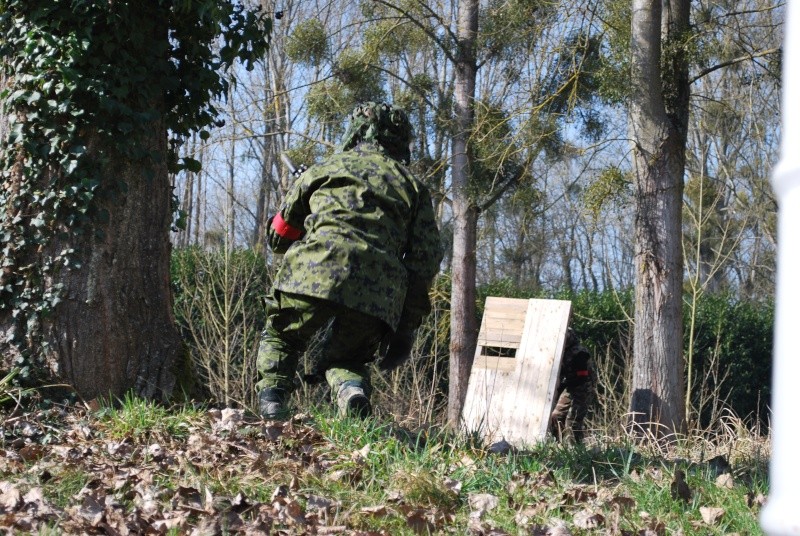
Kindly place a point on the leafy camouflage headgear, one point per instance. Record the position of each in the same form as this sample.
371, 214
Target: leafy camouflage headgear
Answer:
380, 123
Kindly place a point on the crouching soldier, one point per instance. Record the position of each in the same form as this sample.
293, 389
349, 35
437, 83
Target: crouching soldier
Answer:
574, 390
361, 249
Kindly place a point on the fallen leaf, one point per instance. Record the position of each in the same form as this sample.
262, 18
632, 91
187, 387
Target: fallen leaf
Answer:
338, 529
480, 503
419, 523
547, 478
280, 491
351, 476
467, 461
623, 503
315, 502
164, 525
93, 405
452, 485
31, 453
587, 519
654, 527
482, 528
530, 512
34, 496
376, 511
578, 495
208, 526
10, 497
725, 481
295, 511
91, 510
230, 419
756, 500
360, 456
559, 528
394, 496
711, 515
273, 431
188, 497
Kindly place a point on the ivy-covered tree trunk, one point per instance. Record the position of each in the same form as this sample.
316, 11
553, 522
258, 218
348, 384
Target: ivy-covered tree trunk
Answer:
100, 321
658, 129
93, 90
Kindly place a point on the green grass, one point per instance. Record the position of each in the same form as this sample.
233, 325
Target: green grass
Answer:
65, 485
138, 418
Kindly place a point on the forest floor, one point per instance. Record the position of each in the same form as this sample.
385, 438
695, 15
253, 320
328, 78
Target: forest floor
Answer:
145, 469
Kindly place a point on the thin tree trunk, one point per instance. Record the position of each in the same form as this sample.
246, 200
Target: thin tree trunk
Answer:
463, 324
200, 196
230, 210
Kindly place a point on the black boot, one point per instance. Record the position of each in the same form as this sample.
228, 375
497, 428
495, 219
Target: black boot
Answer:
352, 400
271, 404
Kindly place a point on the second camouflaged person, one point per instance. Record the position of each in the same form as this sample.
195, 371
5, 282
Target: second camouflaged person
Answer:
361, 250
574, 390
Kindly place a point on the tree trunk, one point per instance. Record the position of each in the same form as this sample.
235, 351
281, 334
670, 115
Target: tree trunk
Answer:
113, 329
463, 324
658, 123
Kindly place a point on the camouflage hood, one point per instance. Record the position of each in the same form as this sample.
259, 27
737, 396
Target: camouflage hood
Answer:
383, 124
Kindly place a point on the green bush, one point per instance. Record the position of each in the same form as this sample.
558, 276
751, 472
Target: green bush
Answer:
738, 336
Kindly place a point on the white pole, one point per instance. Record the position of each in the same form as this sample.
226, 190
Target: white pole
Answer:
781, 515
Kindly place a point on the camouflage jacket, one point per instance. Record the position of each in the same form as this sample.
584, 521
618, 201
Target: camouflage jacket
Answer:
361, 232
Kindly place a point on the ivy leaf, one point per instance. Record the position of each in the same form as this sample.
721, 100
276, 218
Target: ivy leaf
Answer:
17, 95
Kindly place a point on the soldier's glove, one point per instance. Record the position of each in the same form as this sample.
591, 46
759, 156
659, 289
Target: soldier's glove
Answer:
281, 235
398, 351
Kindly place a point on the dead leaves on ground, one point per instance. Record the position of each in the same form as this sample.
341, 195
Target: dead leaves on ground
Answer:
63, 471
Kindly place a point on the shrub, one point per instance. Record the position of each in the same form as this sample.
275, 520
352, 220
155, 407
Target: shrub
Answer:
219, 308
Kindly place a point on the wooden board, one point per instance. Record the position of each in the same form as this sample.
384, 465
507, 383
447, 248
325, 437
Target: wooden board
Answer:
515, 370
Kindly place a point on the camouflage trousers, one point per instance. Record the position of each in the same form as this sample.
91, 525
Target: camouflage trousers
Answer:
570, 411
337, 341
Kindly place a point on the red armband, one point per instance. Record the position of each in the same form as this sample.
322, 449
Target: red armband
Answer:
581, 373
285, 230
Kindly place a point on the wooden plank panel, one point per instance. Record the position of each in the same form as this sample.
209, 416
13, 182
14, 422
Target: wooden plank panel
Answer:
502, 336
504, 364
501, 326
514, 402
540, 358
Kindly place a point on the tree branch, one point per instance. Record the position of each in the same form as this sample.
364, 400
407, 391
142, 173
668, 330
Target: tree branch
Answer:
740, 59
